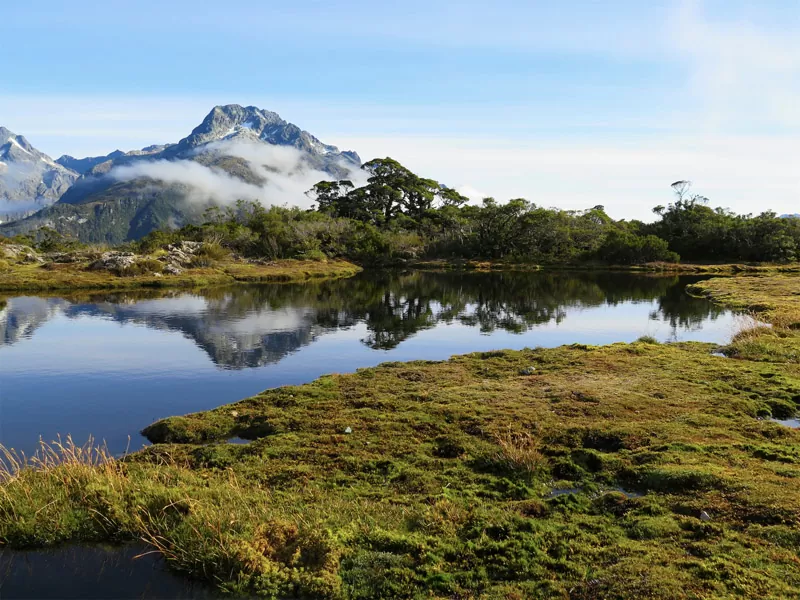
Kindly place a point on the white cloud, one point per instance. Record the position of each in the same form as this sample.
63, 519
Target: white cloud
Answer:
285, 174
742, 74
744, 173
471, 193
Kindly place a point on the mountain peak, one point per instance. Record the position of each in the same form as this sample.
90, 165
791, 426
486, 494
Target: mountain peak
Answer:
15, 146
233, 121
226, 120
83, 165
29, 179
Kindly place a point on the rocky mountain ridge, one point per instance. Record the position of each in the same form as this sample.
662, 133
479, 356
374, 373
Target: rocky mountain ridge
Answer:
29, 179
101, 208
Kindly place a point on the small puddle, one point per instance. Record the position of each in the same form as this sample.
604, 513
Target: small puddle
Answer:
237, 440
793, 423
93, 572
555, 493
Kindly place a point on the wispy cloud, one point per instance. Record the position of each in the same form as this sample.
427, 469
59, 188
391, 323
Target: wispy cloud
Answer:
745, 173
283, 172
742, 74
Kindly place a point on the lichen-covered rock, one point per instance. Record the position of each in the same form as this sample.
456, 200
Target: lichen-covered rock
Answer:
114, 261
181, 253
71, 257
171, 269
19, 252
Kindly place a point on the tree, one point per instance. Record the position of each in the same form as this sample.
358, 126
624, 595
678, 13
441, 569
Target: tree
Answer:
329, 194
391, 190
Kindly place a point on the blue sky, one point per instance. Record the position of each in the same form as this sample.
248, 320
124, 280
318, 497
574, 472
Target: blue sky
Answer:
568, 104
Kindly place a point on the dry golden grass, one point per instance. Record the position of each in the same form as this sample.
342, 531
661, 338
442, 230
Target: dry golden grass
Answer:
70, 276
520, 451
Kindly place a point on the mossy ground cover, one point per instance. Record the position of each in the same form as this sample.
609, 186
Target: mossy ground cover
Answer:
774, 299
442, 487
68, 276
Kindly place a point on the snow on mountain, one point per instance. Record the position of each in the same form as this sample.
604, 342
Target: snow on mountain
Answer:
29, 179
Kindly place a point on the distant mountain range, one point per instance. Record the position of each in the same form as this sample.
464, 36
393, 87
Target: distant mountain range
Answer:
84, 165
794, 216
29, 179
126, 195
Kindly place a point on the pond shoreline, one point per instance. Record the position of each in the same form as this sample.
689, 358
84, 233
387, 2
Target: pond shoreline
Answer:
388, 478
195, 264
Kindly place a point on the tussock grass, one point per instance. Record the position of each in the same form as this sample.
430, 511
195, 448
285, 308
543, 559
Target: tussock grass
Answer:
519, 451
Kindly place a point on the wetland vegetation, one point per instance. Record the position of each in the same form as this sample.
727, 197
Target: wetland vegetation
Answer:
436, 479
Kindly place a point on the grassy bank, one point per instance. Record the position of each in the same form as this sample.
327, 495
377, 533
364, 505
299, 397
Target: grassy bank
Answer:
654, 267
445, 479
774, 300
71, 276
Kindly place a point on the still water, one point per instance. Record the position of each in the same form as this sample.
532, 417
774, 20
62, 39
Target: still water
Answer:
89, 572
108, 365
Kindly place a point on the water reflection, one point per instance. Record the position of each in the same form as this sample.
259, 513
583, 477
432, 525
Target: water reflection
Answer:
252, 326
92, 572
108, 365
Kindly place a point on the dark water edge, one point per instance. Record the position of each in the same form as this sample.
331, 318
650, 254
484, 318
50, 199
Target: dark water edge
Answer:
94, 572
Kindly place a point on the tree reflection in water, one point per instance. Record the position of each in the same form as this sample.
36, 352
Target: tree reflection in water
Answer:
248, 326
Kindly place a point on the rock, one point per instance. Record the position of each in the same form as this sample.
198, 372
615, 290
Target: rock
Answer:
72, 257
19, 252
114, 261
527, 371
172, 270
181, 253
348, 430
62, 257
32, 257
704, 516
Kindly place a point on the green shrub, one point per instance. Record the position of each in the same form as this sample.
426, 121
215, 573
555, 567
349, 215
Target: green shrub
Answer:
156, 240
625, 248
315, 254
213, 251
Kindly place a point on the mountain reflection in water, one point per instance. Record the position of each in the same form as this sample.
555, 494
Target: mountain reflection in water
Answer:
252, 326
110, 364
